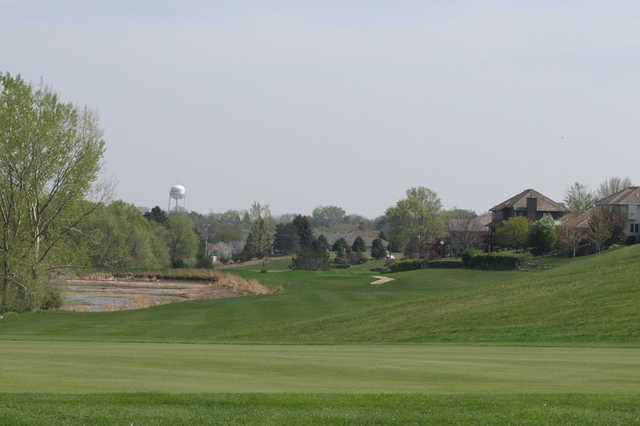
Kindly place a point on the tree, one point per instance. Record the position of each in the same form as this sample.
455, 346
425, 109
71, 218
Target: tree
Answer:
327, 216
313, 257
182, 241
358, 245
285, 240
606, 227
158, 215
378, 251
323, 241
258, 241
578, 198
416, 219
570, 235
513, 233
382, 236
340, 245
119, 237
542, 235
611, 186
303, 228
50, 154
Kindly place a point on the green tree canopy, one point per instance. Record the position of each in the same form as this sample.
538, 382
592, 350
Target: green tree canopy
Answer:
513, 233
417, 219
542, 235
158, 215
327, 216
182, 241
50, 154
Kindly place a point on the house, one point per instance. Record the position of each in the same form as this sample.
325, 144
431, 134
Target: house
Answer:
530, 204
626, 204
469, 232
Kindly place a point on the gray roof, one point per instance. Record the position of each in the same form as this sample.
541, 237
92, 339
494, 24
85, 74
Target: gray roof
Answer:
477, 223
519, 202
630, 195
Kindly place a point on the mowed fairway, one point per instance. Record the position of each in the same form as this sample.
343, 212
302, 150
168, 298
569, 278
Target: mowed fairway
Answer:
56, 367
434, 346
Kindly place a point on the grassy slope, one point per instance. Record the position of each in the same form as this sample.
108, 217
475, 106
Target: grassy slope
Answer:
318, 409
587, 300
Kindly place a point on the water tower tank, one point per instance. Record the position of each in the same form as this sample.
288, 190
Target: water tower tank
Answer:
177, 192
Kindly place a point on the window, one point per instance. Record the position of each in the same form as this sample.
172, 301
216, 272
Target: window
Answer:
635, 227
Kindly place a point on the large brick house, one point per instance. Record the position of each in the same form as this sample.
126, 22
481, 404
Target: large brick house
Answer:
530, 204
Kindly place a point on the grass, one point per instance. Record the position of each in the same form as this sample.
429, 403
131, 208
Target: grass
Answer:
318, 409
586, 301
64, 367
434, 346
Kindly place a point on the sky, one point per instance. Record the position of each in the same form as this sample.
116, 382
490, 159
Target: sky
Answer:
348, 103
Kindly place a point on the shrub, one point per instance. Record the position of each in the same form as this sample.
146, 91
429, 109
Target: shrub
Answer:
631, 240
445, 264
51, 299
476, 259
406, 265
542, 235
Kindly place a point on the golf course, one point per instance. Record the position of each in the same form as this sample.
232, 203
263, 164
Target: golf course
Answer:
558, 344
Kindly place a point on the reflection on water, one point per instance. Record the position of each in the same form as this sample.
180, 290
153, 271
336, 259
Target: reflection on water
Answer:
94, 303
96, 298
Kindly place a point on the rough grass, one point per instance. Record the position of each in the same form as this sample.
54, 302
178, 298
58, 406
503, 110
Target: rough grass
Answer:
586, 301
318, 409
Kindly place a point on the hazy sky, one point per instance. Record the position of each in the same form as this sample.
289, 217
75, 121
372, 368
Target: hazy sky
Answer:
350, 105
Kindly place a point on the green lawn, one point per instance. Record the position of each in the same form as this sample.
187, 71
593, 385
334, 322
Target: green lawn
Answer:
318, 409
76, 367
437, 346
586, 301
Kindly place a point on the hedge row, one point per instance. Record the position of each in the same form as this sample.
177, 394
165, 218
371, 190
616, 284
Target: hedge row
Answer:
406, 265
476, 259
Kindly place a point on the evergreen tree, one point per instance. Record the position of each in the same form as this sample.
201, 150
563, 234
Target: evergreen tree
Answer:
311, 258
305, 233
378, 251
358, 245
340, 245
286, 239
157, 215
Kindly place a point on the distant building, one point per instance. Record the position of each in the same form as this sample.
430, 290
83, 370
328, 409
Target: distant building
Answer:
469, 232
530, 204
626, 204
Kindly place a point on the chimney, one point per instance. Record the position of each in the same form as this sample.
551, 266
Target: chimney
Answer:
532, 208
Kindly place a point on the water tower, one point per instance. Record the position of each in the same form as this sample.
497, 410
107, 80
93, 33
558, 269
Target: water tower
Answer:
176, 194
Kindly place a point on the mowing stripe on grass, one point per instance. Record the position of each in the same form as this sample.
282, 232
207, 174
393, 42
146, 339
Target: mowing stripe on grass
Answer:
75, 367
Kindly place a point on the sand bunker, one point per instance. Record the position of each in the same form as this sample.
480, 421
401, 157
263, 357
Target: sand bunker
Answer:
381, 280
